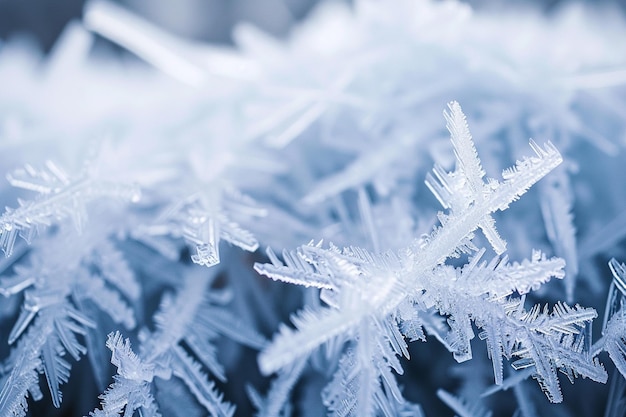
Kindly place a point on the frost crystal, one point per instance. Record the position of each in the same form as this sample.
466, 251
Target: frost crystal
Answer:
376, 301
138, 193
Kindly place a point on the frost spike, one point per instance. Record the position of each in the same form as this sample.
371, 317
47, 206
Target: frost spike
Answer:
189, 371
556, 209
464, 149
304, 275
525, 173
619, 275
56, 370
488, 226
314, 328
517, 181
614, 333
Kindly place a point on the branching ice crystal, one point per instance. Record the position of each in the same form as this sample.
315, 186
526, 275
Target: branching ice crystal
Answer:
175, 350
613, 338
376, 301
56, 285
60, 196
202, 221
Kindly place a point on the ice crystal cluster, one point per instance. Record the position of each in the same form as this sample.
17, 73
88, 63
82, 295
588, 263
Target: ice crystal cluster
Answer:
404, 208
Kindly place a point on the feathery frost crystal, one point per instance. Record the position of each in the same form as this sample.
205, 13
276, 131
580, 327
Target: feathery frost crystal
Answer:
139, 193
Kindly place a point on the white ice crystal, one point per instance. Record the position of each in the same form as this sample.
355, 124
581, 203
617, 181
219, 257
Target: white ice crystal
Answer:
376, 301
142, 178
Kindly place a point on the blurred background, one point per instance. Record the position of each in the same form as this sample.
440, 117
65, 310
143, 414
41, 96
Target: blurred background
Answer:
208, 20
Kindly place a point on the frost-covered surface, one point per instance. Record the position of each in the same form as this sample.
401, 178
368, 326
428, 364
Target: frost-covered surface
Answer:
466, 262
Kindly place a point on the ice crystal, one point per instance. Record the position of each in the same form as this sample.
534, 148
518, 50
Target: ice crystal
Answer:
162, 354
377, 301
138, 193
